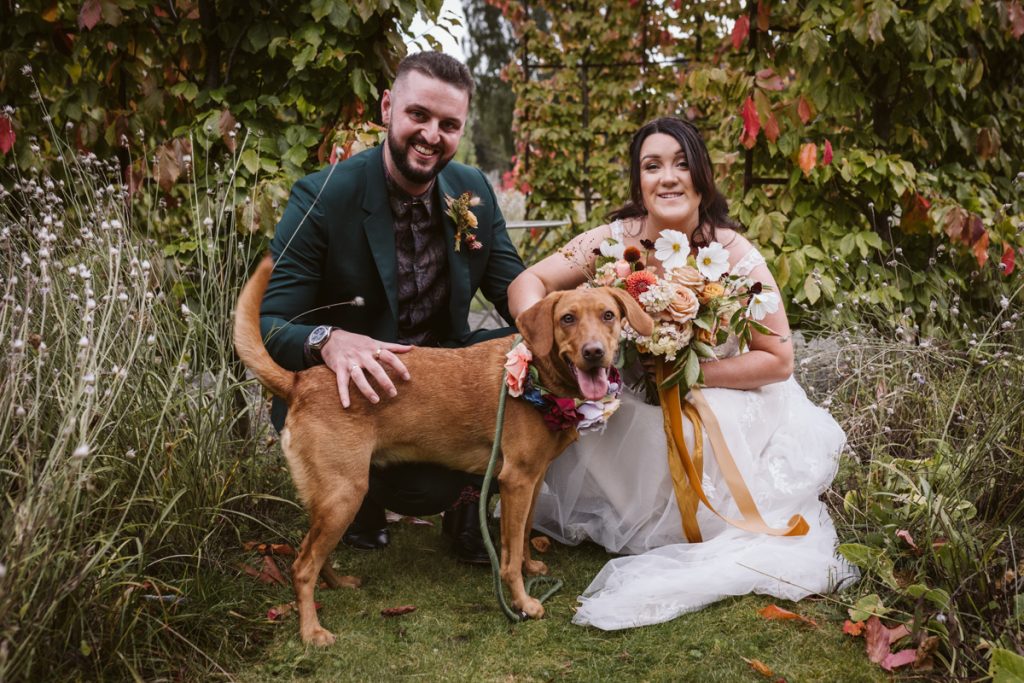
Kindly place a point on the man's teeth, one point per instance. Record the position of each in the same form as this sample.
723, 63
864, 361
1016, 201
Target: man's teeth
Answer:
425, 151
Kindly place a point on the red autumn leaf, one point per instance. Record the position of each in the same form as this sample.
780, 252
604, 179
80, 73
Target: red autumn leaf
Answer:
980, 249
278, 612
397, 611
876, 638
803, 110
776, 612
248, 569
763, 13
853, 628
808, 157
925, 651
905, 535
954, 223
767, 79
7, 136
975, 229
541, 544
226, 127
739, 31
760, 667
1009, 259
898, 659
1015, 15
751, 123
271, 570
90, 14
826, 156
771, 127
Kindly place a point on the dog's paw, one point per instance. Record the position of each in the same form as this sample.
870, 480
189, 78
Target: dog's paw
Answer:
318, 636
534, 568
532, 608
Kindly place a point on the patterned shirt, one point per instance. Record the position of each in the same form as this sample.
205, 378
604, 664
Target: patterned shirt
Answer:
423, 286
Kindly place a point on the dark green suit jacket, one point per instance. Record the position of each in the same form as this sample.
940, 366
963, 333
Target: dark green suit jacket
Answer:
336, 242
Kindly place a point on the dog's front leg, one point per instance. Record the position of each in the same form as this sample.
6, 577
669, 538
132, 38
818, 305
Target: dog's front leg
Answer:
517, 488
532, 567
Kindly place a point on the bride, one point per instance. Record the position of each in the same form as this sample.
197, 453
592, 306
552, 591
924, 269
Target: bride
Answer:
615, 489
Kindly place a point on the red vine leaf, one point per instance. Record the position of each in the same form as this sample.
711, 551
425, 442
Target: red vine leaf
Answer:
980, 248
751, 123
771, 127
739, 31
826, 156
803, 110
226, 126
1009, 259
7, 136
1015, 15
954, 223
763, 14
767, 79
90, 14
808, 157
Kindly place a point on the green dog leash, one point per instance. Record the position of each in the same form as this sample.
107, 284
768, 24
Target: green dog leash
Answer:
554, 584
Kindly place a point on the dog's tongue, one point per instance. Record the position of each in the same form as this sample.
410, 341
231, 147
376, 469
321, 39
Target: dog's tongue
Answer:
593, 383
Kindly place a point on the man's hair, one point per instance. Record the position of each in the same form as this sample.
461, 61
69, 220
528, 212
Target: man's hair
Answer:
440, 66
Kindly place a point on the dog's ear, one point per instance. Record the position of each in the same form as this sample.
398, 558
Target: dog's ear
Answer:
634, 313
536, 325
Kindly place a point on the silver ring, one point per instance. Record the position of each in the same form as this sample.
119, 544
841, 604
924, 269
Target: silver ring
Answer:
376, 354
354, 367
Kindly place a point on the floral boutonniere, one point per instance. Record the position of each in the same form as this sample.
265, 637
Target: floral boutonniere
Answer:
465, 220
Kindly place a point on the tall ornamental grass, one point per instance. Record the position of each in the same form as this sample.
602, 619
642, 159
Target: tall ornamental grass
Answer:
931, 506
126, 441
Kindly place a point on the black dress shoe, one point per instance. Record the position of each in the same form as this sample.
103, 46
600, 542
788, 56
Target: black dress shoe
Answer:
462, 525
369, 529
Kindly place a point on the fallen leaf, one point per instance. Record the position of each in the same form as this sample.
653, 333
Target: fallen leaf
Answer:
898, 659
751, 123
808, 157
905, 535
279, 549
397, 611
853, 628
278, 612
739, 31
925, 651
1009, 259
271, 570
541, 544
877, 640
776, 612
760, 667
898, 633
7, 136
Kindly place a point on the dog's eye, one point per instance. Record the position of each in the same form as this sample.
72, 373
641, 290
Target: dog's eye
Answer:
608, 316
568, 319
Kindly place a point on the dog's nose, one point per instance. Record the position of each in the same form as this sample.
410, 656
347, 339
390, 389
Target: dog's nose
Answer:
593, 352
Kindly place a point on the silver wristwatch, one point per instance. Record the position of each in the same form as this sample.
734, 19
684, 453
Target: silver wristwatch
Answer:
315, 343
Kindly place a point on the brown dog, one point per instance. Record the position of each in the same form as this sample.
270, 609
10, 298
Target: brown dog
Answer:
573, 336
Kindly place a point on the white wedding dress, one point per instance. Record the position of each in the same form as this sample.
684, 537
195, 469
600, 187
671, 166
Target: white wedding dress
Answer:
614, 488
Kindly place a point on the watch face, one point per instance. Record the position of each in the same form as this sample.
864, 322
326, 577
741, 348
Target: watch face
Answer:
319, 335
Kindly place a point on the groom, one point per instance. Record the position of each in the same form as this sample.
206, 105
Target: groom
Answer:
367, 267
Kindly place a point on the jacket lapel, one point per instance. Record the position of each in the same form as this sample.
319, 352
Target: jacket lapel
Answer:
458, 263
380, 229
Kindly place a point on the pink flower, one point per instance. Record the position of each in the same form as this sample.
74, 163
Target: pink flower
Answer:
623, 269
517, 363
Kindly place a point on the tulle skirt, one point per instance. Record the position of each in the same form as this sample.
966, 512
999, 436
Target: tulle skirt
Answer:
615, 489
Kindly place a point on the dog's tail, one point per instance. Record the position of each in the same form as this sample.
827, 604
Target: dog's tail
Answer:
249, 341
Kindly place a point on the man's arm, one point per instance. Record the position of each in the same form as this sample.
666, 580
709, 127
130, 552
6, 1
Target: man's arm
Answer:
504, 263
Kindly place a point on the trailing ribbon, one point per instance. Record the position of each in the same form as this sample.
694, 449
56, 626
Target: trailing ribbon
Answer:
687, 472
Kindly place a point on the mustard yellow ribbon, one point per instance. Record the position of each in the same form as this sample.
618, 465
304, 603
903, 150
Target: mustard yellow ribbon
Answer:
687, 471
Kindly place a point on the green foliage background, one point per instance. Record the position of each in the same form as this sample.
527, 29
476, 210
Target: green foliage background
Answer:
919, 102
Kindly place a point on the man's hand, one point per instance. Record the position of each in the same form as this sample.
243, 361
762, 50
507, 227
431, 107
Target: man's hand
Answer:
354, 356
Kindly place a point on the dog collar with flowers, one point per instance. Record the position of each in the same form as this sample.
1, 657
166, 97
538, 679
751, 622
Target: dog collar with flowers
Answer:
559, 413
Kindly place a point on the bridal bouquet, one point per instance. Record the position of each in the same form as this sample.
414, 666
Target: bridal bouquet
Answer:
696, 304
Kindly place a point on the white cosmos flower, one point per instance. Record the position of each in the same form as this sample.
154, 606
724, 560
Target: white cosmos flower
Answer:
762, 304
672, 248
712, 261
613, 248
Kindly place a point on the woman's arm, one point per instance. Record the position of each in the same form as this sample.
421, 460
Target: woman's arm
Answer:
567, 268
770, 358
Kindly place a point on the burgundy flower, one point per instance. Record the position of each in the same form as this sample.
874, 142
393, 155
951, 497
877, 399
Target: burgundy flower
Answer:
561, 414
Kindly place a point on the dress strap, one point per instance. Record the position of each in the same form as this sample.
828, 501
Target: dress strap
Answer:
752, 259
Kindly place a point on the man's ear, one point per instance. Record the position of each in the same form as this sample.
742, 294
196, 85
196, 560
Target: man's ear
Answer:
385, 107
537, 326
634, 313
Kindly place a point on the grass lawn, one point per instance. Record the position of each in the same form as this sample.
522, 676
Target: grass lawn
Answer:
459, 633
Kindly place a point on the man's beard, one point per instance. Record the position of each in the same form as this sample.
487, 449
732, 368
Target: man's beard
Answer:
400, 157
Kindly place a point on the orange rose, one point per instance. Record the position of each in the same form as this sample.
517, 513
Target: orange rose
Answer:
684, 306
712, 290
